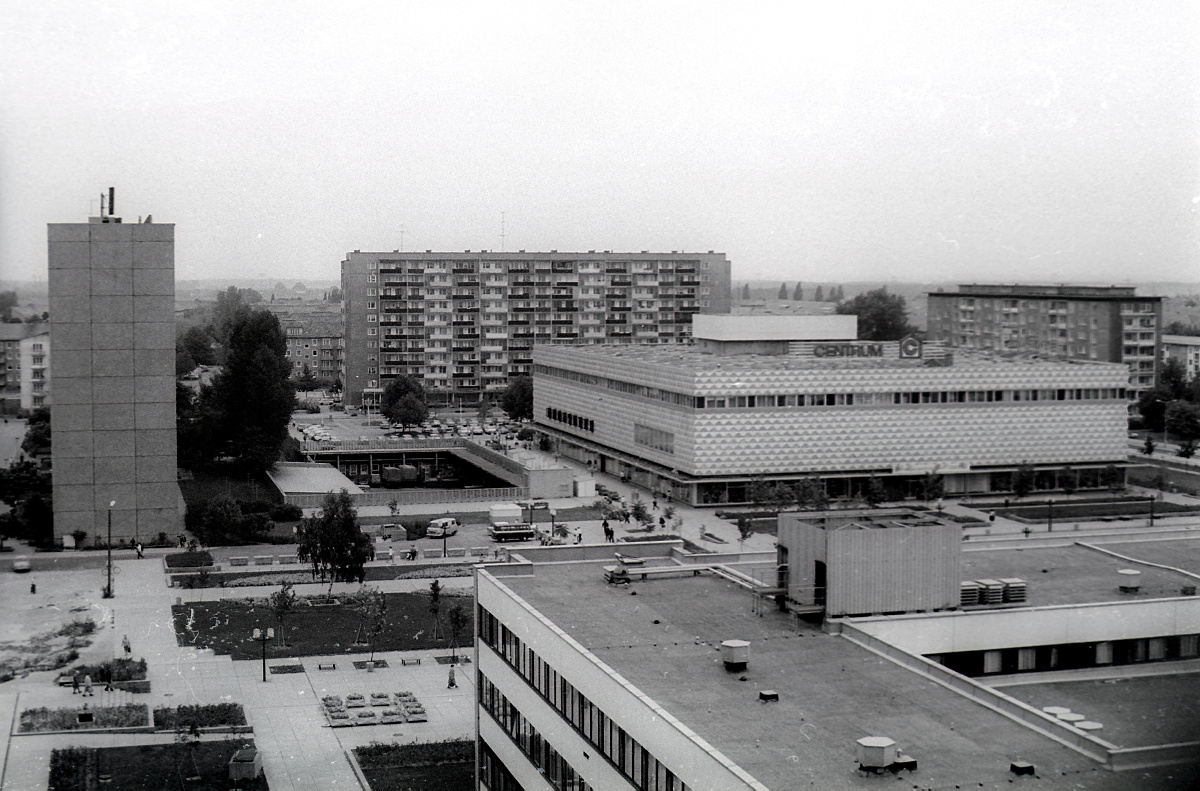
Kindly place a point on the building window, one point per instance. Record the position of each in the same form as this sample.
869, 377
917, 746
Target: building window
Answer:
370, 306
371, 317
371, 278
372, 330
654, 438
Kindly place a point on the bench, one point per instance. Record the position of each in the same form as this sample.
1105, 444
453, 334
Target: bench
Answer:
385, 554
264, 560
416, 660
431, 553
327, 666
458, 552
242, 561
629, 561
481, 552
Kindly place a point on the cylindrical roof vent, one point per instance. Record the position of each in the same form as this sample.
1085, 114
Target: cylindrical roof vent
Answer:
1130, 580
735, 654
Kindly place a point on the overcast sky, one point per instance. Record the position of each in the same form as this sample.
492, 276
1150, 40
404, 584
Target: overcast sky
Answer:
975, 141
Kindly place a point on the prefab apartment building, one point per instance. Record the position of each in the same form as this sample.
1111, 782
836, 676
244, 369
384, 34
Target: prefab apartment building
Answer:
464, 323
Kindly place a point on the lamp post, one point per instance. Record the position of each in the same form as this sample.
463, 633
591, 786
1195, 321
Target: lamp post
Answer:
262, 637
1049, 516
1151, 498
108, 589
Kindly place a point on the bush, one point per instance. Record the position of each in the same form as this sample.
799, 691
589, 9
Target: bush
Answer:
78, 628
202, 716
122, 670
129, 715
377, 754
287, 512
69, 767
189, 560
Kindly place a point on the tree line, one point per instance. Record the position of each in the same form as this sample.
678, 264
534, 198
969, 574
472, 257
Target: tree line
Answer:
1173, 406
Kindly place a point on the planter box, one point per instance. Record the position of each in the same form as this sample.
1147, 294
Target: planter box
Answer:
262, 560
240, 561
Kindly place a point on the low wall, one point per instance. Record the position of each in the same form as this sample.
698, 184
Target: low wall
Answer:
418, 497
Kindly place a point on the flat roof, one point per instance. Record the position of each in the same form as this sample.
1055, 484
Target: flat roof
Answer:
310, 478
694, 359
665, 640
1078, 575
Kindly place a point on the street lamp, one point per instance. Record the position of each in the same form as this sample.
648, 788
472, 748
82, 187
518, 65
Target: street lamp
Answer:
1049, 515
263, 637
108, 589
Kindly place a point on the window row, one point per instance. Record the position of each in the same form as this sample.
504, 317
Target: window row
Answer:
552, 767
916, 397
624, 752
575, 421
655, 438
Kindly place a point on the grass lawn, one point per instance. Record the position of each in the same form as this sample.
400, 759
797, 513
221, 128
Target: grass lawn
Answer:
150, 766
210, 484
219, 579
226, 627
1039, 512
445, 777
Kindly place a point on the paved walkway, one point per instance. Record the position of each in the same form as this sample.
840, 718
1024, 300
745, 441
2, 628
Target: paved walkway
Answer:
299, 750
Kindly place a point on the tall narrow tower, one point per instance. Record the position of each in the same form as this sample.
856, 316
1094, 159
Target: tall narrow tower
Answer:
112, 303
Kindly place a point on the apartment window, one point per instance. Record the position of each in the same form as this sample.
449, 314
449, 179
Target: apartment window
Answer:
372, 331
371, 278
371, 317
370, 306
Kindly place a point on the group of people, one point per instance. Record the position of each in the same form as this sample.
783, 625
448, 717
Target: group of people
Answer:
82, 685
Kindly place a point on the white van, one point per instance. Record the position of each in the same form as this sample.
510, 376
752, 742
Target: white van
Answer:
440, 528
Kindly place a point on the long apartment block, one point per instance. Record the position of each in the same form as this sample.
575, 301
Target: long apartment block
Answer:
465, 322
1103, 323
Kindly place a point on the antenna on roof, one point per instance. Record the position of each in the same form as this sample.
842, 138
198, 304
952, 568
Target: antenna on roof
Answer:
112, 199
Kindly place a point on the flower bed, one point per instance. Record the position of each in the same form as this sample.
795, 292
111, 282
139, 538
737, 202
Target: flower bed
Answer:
122, 670
150, 766
222, 579
129, 715
207, 715
188, 560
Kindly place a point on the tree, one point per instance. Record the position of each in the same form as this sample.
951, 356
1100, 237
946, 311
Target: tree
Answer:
252, 394
1183, 420
798, 293
1187, 449
517, 401
371, 606
459, 621
933, 486
745, 529
8, 301
746, 291
1173, 378
485, 409
1148, 446
306, 380
1022, 480
335, 295
873, 493
283, 601
403, 401
639, 511
1114, 478
1068, 480
334, 543
820, 295
881, 316
229, 308
198, 343
184, 364
1152, 406
435, 605
782, 497
37, 433
783, 292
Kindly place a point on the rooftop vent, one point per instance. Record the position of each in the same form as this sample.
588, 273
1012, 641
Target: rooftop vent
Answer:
735, 654
1130, 580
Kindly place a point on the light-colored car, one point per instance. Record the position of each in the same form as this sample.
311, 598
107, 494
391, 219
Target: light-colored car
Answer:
20, 564
442, 527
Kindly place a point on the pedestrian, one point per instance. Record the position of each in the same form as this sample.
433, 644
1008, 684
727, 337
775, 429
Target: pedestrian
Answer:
87, 686
662, 523
126, 646
991, 516
33, 587
75, 684
654, 503
107, 673
139, 551
451, 683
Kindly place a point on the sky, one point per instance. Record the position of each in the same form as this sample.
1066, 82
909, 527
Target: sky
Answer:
822, 142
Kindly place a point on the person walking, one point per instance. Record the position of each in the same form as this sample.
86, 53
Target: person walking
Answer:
87, 686
451, 683
126, 646
75, 684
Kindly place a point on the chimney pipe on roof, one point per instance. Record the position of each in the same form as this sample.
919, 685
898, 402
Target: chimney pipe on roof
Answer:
112, 199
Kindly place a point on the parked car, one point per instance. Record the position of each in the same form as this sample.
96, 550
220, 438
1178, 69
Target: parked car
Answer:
442, 527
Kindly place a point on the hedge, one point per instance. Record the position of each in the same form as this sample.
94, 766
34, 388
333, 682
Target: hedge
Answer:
122, 670
129, 715
378, 754
205, 715
187, 560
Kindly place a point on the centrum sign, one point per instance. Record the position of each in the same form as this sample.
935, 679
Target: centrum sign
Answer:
847, 350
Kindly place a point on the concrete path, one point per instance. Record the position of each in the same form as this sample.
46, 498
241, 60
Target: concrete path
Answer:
299, 750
